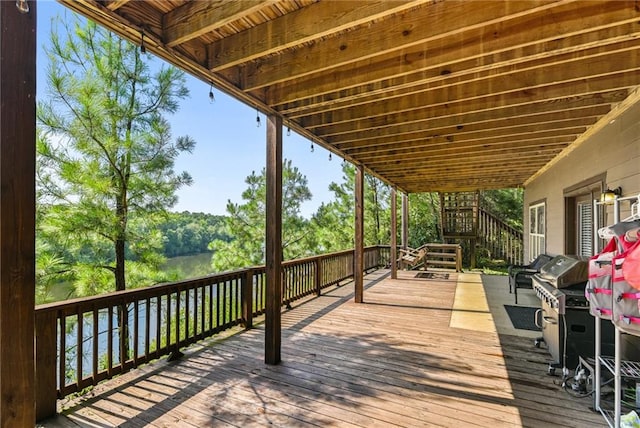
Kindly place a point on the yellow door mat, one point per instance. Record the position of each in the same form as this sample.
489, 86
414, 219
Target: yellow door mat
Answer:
470, 307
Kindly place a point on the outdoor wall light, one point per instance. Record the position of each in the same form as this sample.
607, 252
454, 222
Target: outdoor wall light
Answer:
22, 6
609, 195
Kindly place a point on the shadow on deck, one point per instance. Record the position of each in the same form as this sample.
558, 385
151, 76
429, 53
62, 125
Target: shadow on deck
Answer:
394, 361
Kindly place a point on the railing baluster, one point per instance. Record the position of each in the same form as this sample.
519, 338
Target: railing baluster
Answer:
237, 304
147, 327
167, 345
63, 352
226, 304
187, 313
110, 342
177, 319
96, 335
158, 325
203, 310
211, 307
218, 315
135, 331
122, 334
196, 309
79, 343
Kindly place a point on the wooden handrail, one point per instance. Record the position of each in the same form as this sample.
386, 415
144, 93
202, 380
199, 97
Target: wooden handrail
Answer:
83, 341
500, 239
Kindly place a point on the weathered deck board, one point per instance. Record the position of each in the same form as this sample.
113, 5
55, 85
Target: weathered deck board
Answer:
392, 361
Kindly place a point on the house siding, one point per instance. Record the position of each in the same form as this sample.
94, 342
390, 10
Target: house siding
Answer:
613, 152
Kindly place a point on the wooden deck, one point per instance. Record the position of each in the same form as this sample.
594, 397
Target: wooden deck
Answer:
393, 361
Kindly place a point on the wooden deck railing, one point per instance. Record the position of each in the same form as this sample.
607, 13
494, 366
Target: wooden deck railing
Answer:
501, 240
83, 341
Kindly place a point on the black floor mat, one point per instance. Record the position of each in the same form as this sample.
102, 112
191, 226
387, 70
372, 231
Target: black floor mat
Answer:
432, 275
522, 317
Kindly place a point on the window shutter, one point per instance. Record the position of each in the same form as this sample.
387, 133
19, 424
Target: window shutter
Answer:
585, 229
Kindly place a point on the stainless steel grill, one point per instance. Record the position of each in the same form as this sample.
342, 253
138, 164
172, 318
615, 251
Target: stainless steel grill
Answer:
565, 271
567, 327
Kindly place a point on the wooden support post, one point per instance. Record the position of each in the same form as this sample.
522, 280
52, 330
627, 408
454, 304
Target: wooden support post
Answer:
273, 246
17, 214
318, 276
474, 241
394, 234
358, 256
247, 299
405, 221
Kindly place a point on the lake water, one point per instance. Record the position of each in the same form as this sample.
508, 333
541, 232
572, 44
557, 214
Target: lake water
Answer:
187, 267
190, 266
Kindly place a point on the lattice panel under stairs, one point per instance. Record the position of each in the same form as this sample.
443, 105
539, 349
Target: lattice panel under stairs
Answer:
459, 214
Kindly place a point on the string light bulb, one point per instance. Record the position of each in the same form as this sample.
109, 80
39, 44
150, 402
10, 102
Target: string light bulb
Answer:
288, 131
22, 6
212, 98
312, 148
257, 118
329, 157
143, 48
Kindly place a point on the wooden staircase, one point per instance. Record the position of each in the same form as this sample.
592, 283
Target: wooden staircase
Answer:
466, 223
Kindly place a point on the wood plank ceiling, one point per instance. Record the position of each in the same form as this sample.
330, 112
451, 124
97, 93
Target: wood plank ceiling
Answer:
428, 95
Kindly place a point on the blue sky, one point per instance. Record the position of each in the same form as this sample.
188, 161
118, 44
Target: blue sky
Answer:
229, 144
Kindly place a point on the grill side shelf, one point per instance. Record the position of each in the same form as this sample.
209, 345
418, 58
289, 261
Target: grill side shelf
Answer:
628, 369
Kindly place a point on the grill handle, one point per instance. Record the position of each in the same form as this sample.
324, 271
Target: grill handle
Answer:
537, 317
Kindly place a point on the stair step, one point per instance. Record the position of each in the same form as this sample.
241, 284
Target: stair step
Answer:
444, 255
440, 263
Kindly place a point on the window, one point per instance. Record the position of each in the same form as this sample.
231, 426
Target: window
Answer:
536, 230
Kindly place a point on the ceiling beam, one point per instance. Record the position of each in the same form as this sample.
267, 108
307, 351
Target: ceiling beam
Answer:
116, 4
196, 18
299, 27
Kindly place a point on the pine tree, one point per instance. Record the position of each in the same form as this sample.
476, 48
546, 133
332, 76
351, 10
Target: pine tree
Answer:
245, 223
334, 221
106, 156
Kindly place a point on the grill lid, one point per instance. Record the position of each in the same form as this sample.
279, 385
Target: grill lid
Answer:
563, 271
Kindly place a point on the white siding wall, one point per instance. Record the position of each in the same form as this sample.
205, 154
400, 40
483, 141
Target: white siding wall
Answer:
615, 150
